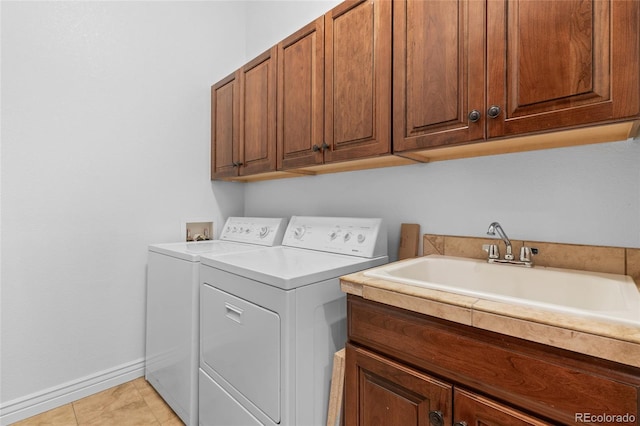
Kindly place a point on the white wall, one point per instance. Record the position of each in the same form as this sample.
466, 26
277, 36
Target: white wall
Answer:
583, 195
105, 149
269, 21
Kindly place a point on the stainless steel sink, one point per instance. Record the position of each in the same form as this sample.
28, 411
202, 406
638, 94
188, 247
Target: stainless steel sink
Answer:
599, 295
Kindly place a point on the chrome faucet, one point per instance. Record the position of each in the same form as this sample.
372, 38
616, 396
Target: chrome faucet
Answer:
494, 253
495, 227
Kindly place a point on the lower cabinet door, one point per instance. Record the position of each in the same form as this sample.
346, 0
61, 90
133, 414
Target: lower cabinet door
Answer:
379, 391
475, 410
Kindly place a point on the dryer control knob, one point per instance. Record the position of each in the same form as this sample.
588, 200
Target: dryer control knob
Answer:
333, 235
264, 231
361, 238
347, 236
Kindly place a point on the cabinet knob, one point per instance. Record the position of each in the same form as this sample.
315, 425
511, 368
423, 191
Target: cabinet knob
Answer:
324, 146
493, 111
436, 418
474, 116
315, 148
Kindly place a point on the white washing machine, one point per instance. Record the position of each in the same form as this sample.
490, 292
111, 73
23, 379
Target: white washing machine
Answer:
272, 319
172, 330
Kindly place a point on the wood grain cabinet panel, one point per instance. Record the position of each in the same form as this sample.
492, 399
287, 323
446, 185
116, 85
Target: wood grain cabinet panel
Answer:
561, 64
475, 410
243, 120
469, 71
225, 134
438, 72
335, 87
514, 376
301, 97
358, 80
258, 81
380, 391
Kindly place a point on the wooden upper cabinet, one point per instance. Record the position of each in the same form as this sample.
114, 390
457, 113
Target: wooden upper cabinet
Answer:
357, 118
258, 79
243, 120
560, 64
334, 86
438, 65
301, 97
474, 70
225, 135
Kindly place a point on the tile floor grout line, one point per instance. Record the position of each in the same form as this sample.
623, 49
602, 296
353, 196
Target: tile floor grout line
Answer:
75, 416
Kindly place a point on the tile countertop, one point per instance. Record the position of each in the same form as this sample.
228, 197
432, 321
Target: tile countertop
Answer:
602, 339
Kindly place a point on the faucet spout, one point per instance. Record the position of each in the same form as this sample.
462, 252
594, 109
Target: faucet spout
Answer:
495, 227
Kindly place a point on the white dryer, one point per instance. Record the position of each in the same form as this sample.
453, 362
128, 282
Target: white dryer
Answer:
172, 330
272, 319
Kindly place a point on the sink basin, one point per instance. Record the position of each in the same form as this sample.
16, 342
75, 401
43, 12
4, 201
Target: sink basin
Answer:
598, 295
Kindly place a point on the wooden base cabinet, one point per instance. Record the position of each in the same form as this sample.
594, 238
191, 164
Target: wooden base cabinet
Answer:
404, 368
380, 391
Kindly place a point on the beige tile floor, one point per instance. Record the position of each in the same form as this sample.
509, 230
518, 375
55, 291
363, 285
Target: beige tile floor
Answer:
134, 403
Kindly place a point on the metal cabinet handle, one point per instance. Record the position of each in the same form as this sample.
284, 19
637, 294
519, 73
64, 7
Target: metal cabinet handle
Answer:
493, 111
474, 115
436, 418
461, 423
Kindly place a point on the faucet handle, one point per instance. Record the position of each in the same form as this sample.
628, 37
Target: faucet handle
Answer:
526, 253
492, 249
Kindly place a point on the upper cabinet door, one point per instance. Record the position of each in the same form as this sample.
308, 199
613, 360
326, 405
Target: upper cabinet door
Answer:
301, 97
562, 63
258, 114
438, 66
225, 138
358, 80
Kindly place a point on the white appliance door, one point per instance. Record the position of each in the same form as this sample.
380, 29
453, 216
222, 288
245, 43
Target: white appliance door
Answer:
218, 408
171, 360
241, 342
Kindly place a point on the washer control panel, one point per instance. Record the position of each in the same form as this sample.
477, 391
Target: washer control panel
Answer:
254, 230
344, 235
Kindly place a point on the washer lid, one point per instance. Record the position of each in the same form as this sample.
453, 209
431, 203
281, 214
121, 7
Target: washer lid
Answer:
288, 268
191, 251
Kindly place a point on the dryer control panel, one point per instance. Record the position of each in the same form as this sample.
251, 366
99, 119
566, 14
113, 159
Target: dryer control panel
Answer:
254, 230
364, 237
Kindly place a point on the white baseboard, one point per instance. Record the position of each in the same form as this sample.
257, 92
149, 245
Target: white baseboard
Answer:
39, 402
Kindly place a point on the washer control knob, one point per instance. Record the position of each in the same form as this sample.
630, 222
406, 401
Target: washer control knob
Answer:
332, 235
264, 231
298, 232
347, 236
361, 238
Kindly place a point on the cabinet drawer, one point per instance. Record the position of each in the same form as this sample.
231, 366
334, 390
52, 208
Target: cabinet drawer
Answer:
550, 382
